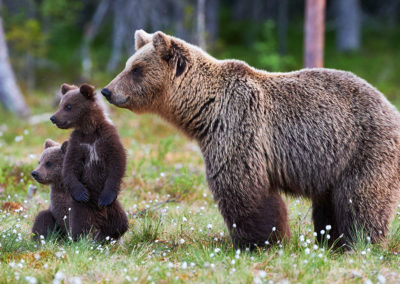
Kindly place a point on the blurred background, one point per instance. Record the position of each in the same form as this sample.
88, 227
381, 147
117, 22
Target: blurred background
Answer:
54, 41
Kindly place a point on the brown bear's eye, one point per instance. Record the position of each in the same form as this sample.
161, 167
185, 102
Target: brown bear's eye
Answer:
67, 107
136, 71
48, 164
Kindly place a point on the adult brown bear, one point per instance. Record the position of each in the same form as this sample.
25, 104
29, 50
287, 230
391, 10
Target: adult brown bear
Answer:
319, 133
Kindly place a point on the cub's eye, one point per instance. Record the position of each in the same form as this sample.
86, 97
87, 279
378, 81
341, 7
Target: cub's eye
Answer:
67, 107
48, 164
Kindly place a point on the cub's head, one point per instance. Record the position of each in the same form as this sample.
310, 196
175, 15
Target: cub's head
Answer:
50, 164
75, 105
159, 64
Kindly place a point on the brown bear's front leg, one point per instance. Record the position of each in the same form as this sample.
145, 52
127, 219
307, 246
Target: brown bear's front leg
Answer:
44, 225
255, 216
323, 215
267, 223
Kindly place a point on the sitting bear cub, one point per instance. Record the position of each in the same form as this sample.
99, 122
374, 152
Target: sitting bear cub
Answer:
49, 172
64, 213
95, 160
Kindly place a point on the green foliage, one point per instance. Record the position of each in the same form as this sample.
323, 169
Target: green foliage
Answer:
61, 11
266, 49
28, 37
255, 44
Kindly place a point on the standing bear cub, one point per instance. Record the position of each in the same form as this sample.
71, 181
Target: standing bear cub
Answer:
94, 163
319, 133
64, 213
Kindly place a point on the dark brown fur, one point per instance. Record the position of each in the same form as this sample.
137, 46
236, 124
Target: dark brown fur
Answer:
95, 160
66, 215
319, 133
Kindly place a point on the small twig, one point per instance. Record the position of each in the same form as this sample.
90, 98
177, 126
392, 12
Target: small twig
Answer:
308, 211
155, 206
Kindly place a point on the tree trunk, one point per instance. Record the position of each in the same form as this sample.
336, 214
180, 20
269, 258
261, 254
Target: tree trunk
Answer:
314, 33
282, 26
212, 9
119, 34
90, 34
348, 25
10, 95
201, 23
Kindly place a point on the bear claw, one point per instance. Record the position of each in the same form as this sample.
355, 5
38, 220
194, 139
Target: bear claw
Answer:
82, 196
106, 198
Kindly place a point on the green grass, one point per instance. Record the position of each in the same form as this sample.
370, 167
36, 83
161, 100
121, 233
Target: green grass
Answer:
183, 240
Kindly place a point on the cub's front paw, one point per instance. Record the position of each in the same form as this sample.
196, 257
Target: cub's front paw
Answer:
106, 198
81, 195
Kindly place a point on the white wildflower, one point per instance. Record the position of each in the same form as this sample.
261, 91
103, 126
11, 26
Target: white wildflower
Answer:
381, 279
30, 279
184, 265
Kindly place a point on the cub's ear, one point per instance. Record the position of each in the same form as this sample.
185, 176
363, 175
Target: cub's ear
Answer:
50, 143
141, 38
64, 147
66, 88
162, 45
87, 91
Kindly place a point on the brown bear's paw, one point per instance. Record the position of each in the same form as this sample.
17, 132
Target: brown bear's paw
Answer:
106, 198
80, 195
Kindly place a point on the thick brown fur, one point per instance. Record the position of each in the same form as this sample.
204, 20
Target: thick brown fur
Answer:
319, 133
65, 215
95, 161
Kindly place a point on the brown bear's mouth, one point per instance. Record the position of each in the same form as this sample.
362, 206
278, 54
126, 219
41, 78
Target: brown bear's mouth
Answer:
120, 103
63, 125
40, 180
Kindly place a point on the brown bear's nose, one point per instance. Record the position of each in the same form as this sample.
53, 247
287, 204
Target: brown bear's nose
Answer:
34, 174
106, 93
53, 119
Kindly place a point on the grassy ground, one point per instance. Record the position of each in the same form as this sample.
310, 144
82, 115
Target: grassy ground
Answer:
182, 240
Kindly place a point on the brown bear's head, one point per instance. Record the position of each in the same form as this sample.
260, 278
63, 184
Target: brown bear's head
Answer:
50, 163
152, 74
76, 106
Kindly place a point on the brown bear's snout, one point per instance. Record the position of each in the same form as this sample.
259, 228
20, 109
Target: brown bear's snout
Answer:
53, 119
35, 175
106, 93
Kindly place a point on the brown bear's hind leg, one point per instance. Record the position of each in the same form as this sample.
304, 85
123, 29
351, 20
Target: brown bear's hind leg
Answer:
45, 225
114, 225
82, 218
366, 200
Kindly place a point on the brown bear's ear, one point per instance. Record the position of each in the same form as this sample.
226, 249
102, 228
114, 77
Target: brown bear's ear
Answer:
141, 38
87, 91
162, 44
50, 143
66, 88
64, 147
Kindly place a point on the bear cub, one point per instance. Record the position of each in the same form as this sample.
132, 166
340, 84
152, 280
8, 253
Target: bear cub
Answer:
57, 218
48, 171
95, 160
